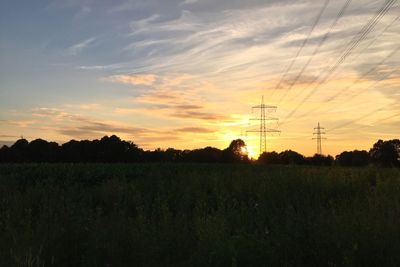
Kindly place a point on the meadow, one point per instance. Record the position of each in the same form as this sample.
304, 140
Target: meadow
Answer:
171, 214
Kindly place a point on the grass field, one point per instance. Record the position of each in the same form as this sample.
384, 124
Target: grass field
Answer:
198, 215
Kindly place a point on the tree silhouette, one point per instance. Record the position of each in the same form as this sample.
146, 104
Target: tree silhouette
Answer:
40, 150
207, 155
320, 160
291, 157
269, 158
236, 152
19, 151
113, 149
285, 157
353, 158
172, 154
386, 153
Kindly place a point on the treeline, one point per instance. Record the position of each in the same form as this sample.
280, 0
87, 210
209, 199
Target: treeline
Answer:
113, 149
384, 153
289, 157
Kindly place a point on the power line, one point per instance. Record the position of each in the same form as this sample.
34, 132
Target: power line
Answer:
303, 116
302, 46
355, 120
358, 80
360, 36
378, 121
383, 77
375, 67
361, 52
316, 50
376, 38
363, 75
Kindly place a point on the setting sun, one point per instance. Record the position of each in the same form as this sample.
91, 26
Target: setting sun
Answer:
251, 153
248, 151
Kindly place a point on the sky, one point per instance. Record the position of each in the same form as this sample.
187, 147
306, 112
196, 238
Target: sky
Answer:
185, 73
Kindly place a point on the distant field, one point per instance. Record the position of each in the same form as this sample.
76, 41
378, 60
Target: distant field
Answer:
198, 215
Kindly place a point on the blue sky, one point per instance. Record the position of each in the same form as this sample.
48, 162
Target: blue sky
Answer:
184, 73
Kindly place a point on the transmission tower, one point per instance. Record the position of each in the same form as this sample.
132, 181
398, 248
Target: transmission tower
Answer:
264, 109
317, 131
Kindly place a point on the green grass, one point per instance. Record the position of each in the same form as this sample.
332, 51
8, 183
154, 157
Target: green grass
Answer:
198, 215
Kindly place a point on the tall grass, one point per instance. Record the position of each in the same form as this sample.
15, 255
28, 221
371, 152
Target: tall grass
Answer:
198, 215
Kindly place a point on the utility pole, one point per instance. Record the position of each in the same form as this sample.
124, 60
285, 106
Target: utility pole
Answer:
317, 131
264, 109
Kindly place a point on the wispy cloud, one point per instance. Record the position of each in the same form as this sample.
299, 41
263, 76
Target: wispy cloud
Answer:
102, 67
79, 47
199, 130
133, 79
208, 116
20, 123
81, 126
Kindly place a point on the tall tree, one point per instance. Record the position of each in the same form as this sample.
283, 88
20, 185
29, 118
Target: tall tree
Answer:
386, 153
236, 152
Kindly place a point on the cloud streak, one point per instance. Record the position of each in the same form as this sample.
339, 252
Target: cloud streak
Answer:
79, 47
198, 130
144, 79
